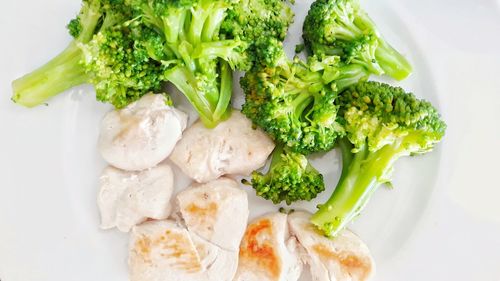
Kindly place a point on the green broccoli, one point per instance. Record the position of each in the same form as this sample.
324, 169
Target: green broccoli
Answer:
290, 178
294, 100
342, 27
383, 123
260, 23
104, 52
204, 40
126, 48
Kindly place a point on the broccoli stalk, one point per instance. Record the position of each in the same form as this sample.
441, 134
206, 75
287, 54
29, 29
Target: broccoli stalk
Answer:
63, 71
383, 123
392, 62
58, 75
360, 178
105, 52
211, 106
342, 27
290, 178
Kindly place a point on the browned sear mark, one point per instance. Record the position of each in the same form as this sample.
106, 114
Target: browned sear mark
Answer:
175, 248
209, 211
348, 260
256, 250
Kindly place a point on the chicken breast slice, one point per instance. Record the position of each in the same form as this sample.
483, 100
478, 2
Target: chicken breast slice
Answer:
166, 251
142, 134
234, 147
127, 198
343, 258
267, 253
216, 211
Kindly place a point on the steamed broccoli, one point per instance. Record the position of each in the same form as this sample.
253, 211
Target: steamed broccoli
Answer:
293, 101
104, 52
290, 178
382, 123
260, 23
204, 40
126, 48
342, 27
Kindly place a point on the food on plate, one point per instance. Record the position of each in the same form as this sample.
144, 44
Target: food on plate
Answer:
383, 123
305, 105
142, 134
267, 252
293, 101
202, 245
201, 41
167, 251
290, 178
276, 246
127, 48
342, 27
343, 258
104, 52
234, 147
216, 211
128, 198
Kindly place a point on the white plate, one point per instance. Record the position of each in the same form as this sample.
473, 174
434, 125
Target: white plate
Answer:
441, 222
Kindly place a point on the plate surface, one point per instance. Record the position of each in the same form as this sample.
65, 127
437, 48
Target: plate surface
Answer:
441, 222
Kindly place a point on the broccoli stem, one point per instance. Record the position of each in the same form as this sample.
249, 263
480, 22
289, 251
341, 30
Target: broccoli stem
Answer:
211, 104
58, 75
213, 24
222, 110
184, 79
89, 19
198, 17
223, 49
346, 30
349, 75
392, 62
347, 156
360, 178
276, 157
300, 103
173, 26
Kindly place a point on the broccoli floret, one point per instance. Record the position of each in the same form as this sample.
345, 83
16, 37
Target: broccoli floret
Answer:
383, 123
342, 27
290, 178
256, 22
204, 40
127, 48
119, 66
294, 100
103, 53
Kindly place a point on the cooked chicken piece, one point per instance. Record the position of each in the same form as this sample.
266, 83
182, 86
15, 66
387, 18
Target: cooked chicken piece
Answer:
128, 198
343, 258
234, 147
216, 211
142, 134
267, 253
166, 251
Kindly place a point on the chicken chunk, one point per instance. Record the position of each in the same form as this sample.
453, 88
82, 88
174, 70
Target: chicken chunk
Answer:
166, 251
234, 147
343, 258
202, 245
216, 211
128, 198
267, 253
142, 134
